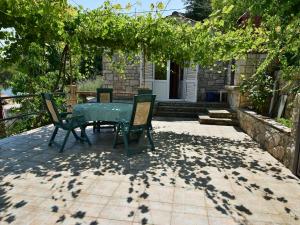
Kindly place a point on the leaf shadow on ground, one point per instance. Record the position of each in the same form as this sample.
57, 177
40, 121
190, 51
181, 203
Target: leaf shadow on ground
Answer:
196, 161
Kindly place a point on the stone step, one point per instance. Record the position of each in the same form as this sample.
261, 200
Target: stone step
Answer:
181, 109
177, 114
222, 113
205, 119
216, 105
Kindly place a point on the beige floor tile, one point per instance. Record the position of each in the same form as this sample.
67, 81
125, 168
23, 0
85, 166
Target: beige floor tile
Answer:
162, 206
96, 199
153, 216
103, 187
223, 221
197, 175
158, 194
117, 213
188, 219
88, 209
123, 202
189, 197
190, 209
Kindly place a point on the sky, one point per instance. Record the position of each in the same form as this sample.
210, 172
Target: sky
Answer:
139, 5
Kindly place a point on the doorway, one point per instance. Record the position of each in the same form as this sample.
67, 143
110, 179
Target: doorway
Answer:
176, 84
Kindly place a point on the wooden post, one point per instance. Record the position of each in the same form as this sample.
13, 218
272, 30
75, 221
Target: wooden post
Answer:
2, 124
71, 97
296, 135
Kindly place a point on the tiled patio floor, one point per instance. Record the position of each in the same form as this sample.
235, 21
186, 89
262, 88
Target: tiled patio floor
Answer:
198, 175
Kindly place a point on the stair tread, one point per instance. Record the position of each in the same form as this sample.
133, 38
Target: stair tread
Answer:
220, 111
192, 113
206, 117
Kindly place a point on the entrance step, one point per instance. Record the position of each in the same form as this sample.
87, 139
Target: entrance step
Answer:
196, 110
205, 119
212, 105
177, 114
222, 113
185, 109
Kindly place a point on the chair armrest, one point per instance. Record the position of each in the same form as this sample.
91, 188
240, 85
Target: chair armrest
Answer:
76, 120
65, 114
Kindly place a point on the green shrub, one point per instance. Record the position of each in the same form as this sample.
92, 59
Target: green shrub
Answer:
90, 85
285, 122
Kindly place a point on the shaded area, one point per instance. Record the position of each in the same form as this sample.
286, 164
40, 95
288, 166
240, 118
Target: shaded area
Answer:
183, 161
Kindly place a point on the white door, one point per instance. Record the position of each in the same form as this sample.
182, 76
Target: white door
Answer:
191, 83
161, 82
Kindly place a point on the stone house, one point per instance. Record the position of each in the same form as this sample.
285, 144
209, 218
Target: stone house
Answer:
175, 83
189, 84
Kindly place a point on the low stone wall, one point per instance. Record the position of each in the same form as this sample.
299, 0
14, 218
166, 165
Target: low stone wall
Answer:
272, 136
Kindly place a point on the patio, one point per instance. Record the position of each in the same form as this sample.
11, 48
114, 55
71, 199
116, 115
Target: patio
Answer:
199, 174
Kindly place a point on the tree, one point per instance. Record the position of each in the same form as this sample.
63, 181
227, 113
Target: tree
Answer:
198, 9
277, 36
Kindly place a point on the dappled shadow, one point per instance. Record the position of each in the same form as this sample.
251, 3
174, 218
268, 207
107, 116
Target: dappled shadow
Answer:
203, 163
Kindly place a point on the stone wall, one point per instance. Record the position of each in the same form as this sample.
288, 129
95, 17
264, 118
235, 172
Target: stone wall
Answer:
272, 136
244, 67
123, 84
211, 79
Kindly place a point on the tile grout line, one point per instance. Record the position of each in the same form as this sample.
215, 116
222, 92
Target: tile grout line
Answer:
108, 200
172, 209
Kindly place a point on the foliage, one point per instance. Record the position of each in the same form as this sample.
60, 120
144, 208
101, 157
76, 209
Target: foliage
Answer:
90, 85
275, 29
259, 89
285, 122
37, 33
198, 9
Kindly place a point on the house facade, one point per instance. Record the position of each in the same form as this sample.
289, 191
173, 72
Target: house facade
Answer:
173, 83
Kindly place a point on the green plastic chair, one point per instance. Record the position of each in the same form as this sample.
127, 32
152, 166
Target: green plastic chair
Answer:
104, 95
139, 123
65, 121
145, 92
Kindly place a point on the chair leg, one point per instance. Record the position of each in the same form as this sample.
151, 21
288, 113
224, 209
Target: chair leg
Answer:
94, 126
125, 138
138, 136
151, 127
65, 141
75, 135
98, 126
149, 135
85, 136
53, 136
116, 139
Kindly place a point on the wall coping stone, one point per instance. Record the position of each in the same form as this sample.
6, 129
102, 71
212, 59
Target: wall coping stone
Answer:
267, 120
231, 87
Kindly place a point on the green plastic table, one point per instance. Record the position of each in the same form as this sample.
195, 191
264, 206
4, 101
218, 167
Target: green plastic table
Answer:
110, 112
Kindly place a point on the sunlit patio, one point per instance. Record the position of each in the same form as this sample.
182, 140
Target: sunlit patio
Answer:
199, 174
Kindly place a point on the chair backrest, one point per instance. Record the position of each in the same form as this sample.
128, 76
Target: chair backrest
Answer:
104, 95
51, 107
145, 92
142, 110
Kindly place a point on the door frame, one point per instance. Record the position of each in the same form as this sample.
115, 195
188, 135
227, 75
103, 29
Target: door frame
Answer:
185, 81
166, 90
